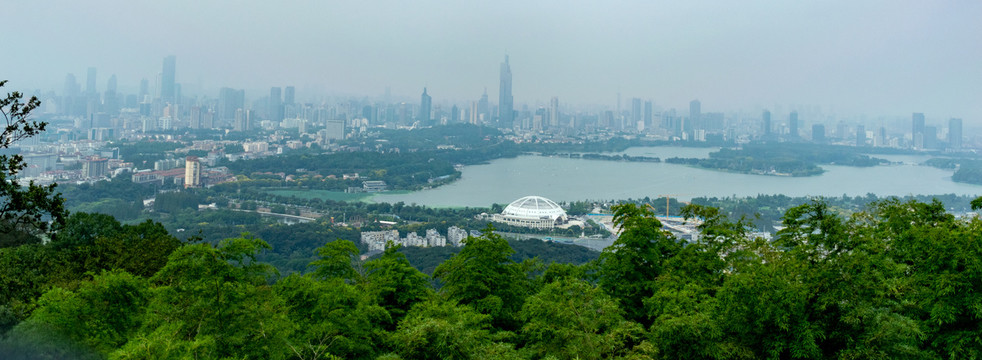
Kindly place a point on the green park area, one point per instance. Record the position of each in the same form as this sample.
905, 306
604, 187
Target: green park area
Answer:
323, 195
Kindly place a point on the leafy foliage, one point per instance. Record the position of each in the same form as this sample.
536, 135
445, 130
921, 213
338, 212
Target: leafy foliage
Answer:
901, 279
25, 212
483, 276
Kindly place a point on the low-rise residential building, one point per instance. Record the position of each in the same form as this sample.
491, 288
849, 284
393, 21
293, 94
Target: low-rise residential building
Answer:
374, 186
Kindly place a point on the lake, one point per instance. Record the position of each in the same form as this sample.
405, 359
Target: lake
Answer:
562, 179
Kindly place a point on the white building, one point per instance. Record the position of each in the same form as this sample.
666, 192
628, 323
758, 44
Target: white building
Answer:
255, 147
192, 172
533, 212
433, 238
456, 236
376, 240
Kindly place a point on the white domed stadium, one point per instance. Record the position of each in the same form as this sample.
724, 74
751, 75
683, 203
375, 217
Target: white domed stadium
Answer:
533, 212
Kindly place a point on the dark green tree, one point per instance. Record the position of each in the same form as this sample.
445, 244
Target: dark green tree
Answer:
338, 260
437, 329
101, 314
394, 283
25, 212
213, 302
484, 277
628, 268
330, 318
571, 319
941, 259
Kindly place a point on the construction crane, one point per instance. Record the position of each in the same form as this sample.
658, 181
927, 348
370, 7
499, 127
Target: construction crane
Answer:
668, 201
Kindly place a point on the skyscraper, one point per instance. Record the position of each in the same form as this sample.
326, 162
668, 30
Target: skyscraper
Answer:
930, 137
289, 94
475, 118
454, 115
793, 124
275, 106
955, 134
195, 122
483, 114
554, 112
636, 114
167, 77
766, 116
818, 133
648, 115
111, 84
695, 115
144, 89
110, 101
243, 120
506, 106
229, 100
860, 135
90, 82
917, 130
425, 108
69, 97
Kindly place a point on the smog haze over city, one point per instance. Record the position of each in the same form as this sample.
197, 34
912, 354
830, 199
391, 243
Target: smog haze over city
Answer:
869, 58
491, 180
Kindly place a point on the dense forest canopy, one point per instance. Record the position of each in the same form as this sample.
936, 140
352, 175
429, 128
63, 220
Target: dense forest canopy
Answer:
898, 280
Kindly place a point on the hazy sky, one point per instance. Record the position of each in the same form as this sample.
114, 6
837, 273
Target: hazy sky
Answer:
870, 57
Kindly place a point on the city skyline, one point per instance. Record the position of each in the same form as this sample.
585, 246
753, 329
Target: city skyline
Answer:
872, 58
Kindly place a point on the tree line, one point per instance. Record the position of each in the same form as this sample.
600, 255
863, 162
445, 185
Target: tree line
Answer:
898, 280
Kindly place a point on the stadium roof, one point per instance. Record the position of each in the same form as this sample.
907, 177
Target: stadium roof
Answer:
534, 207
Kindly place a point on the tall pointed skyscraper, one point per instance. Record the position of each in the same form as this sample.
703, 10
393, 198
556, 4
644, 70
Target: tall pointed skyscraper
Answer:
425, 104
506, 107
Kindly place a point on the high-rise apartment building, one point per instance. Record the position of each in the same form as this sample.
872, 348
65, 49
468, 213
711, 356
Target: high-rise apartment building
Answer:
333, 130
475, 116
243, 120
95, 167
506, 106
195, 122
192, 172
